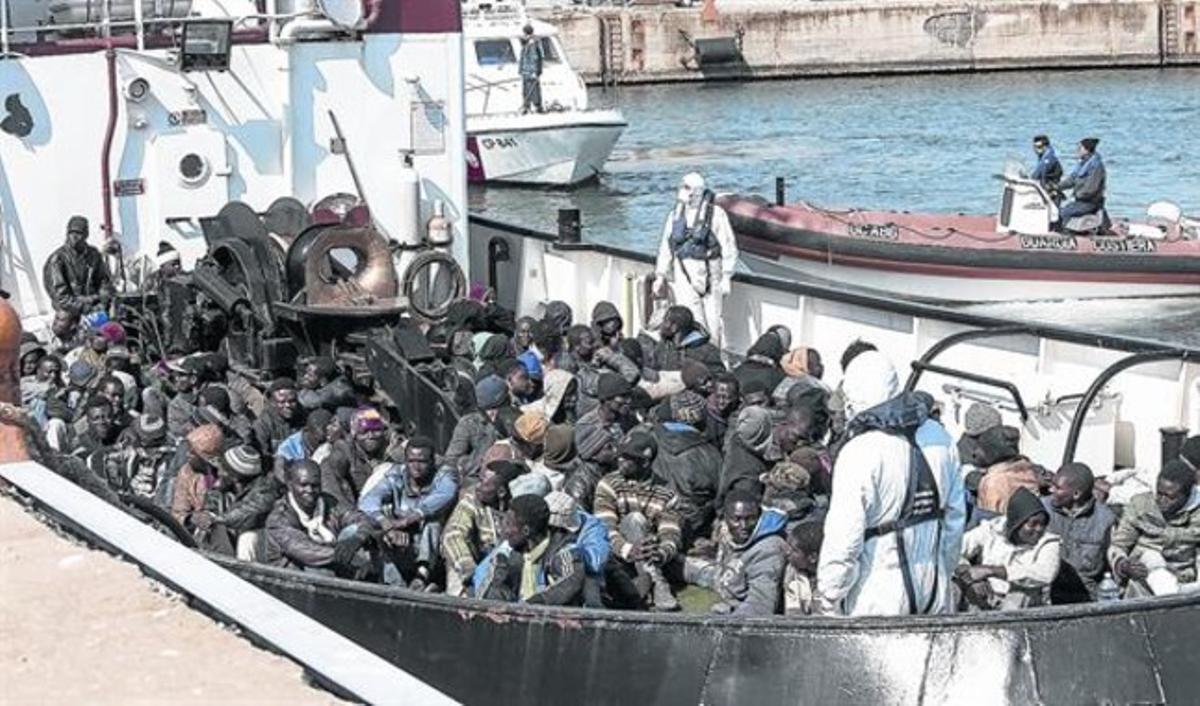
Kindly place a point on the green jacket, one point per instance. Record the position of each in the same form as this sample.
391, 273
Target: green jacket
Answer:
1177, 541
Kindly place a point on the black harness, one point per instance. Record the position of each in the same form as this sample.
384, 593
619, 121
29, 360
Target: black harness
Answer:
922, 503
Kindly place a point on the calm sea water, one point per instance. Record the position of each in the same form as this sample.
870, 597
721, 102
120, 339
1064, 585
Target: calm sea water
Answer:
928, 143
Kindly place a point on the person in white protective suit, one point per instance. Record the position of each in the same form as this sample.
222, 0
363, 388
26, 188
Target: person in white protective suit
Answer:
895, 523
697, 254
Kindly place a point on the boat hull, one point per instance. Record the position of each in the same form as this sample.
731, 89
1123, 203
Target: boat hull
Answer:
551, 149
959, 258
480, 652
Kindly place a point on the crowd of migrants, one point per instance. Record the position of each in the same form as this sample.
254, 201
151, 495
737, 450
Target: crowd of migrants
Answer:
590, 468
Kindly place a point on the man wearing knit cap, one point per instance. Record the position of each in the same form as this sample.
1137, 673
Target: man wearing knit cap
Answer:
1009, 562
344, 473
978, 418
1086, 183
75, 275
529, 436
643, 525
204, 447
604, 426
477, 431
475, 525
149, 454
241, 502
579, 477
168, 261
751, 452
688, 464
890, 437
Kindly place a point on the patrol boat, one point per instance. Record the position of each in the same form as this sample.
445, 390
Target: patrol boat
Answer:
567, 144
224, 132
1015, 255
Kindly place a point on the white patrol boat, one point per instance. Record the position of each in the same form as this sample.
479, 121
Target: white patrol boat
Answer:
565, 145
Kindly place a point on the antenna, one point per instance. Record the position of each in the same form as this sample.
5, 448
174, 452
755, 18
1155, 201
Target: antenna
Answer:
340, 146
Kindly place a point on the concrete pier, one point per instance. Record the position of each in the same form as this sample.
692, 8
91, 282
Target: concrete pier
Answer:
778, 39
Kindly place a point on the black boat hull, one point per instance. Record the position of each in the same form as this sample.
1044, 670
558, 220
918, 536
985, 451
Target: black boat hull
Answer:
486, 653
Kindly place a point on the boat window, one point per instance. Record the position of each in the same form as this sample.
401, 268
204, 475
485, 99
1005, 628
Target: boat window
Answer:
550, 52
494, 52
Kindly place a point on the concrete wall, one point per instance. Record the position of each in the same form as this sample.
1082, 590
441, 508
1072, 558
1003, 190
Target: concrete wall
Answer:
844, 38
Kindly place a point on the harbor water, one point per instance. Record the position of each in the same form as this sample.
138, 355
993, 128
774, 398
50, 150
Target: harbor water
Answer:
917, 143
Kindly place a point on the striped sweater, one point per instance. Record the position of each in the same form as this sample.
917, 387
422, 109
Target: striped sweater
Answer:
617, 496
472, 531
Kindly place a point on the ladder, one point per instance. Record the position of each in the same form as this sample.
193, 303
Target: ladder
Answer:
1170, 30
612, 49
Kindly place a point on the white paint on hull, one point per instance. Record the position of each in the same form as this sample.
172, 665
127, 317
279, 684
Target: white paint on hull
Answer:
558, 149
966, 289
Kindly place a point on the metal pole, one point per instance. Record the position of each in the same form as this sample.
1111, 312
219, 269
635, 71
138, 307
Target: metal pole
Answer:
1085, 403
4, 25
780, 191
137, 18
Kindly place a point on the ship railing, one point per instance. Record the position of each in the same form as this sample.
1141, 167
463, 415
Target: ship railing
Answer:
140, 24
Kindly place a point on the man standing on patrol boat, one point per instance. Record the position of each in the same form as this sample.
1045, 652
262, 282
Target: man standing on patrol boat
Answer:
697, 255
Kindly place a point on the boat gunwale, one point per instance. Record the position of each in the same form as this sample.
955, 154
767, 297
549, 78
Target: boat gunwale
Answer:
894, 305
580, 617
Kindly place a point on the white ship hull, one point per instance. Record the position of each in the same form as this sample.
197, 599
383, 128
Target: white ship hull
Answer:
549, 149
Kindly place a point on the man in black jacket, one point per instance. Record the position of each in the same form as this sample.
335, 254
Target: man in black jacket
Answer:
1082, 521
309, 531
75, 275
240, 503
688, 464
680, 339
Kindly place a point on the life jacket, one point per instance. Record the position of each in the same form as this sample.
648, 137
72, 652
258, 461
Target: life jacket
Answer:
901, 417
697, 242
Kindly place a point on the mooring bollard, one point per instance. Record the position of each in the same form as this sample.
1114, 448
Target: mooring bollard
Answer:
1172, 442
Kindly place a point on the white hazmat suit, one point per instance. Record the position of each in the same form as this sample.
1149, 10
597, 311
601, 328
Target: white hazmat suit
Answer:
859, 576
699, 282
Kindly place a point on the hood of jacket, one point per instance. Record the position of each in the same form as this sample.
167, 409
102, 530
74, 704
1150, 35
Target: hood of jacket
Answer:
676, 437
694, 338
901, 414
771, 522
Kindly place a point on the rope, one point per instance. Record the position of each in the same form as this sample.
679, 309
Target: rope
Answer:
838, 216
